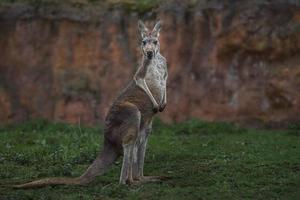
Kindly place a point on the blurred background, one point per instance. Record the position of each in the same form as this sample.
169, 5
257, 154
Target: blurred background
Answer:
228, 60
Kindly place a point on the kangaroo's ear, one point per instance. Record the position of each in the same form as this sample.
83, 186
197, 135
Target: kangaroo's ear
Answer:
143, 29
156, 29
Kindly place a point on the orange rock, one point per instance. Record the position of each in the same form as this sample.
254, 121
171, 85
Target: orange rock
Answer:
229, 62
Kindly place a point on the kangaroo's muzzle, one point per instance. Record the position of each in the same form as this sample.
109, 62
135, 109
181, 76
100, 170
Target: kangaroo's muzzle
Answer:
149, 54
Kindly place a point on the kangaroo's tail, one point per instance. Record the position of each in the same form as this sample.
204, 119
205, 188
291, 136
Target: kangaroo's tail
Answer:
108, 155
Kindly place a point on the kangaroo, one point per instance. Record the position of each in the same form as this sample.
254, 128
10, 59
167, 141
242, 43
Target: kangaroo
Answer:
129, 120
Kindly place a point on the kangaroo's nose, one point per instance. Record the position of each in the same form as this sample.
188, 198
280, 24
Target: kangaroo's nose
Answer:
149, 54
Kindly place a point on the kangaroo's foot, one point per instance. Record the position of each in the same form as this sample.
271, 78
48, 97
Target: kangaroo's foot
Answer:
129, 182
132, 182
145, 179
162, 107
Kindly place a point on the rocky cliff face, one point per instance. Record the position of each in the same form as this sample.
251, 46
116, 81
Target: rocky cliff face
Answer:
230, 61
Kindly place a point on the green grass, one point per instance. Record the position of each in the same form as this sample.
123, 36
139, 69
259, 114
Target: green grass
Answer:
203, 161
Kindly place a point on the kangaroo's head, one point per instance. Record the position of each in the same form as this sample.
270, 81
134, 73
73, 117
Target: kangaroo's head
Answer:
150, 43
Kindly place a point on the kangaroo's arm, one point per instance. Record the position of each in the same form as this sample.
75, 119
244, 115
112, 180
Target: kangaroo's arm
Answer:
139, 79
143, 85
164, 99
165, 94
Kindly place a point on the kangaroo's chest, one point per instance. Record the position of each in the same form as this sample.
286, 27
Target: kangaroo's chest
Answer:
155, 79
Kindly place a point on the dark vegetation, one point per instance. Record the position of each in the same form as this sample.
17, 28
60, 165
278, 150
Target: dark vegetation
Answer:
203, 161
132, 5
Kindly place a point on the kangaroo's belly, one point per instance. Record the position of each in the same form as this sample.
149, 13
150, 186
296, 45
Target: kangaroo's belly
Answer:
156, 83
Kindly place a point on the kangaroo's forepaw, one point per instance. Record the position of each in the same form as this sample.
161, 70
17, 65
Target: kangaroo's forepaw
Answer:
162, 107
155, 109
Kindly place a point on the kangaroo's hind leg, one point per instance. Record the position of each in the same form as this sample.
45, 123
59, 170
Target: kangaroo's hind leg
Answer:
130, 129
139, 152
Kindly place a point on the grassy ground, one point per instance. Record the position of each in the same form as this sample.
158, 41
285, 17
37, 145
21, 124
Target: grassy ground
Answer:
203, 161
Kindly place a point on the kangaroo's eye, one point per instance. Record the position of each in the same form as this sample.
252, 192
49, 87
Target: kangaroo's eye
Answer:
155, 42
144, 43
